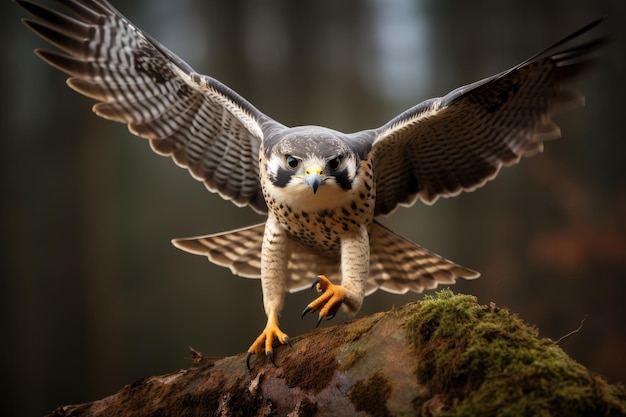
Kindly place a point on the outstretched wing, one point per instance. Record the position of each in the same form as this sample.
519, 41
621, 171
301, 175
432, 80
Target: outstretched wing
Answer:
460, 141
202, 124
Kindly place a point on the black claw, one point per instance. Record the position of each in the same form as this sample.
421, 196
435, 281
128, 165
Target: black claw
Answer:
315, 282
306, 310
270, 356
286, 340
248, 355
330, 316
319, 321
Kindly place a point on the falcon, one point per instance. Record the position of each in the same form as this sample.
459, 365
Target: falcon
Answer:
321, 189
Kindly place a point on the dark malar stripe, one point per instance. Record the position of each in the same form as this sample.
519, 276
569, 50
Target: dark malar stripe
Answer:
341, 178
283, 177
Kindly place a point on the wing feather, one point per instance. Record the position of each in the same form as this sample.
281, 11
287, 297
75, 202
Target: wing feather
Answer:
460, 141
202, 124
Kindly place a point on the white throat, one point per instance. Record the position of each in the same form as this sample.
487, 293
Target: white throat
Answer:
299, 196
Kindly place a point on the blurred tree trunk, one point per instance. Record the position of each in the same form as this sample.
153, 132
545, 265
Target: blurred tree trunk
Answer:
446, 355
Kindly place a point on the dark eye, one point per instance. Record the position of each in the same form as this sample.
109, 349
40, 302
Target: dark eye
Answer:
334, 163
292, 162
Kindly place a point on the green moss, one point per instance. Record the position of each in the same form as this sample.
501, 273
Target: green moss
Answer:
482, 360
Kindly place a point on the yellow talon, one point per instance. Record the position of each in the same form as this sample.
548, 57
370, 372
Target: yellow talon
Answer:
329, 302
266, 339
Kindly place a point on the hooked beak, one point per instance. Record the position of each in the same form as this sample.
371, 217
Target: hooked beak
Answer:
314, 177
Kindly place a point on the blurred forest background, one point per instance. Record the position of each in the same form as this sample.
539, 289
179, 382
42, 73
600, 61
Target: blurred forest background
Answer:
94, 296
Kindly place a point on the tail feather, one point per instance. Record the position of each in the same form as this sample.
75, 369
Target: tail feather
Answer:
398, 265
239, 250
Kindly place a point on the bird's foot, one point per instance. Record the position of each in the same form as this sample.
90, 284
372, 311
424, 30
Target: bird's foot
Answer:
329, 302
266, 340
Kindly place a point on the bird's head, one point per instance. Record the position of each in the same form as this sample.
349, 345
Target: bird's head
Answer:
311, 167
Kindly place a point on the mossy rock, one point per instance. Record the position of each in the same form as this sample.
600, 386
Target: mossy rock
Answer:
443, 356
484, 361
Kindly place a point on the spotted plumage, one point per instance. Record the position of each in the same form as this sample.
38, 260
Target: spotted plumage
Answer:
317, 219
321, 189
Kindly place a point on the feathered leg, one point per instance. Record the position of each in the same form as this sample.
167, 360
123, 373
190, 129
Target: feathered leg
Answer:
355, 260
274, 260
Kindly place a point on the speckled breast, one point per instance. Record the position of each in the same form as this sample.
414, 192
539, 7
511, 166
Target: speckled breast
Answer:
321, 231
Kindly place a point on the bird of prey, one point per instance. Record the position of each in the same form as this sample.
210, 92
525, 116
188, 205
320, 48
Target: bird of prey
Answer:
321, 189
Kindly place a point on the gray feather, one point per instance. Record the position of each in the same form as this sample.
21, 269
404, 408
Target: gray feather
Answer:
202, 124
460, 141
